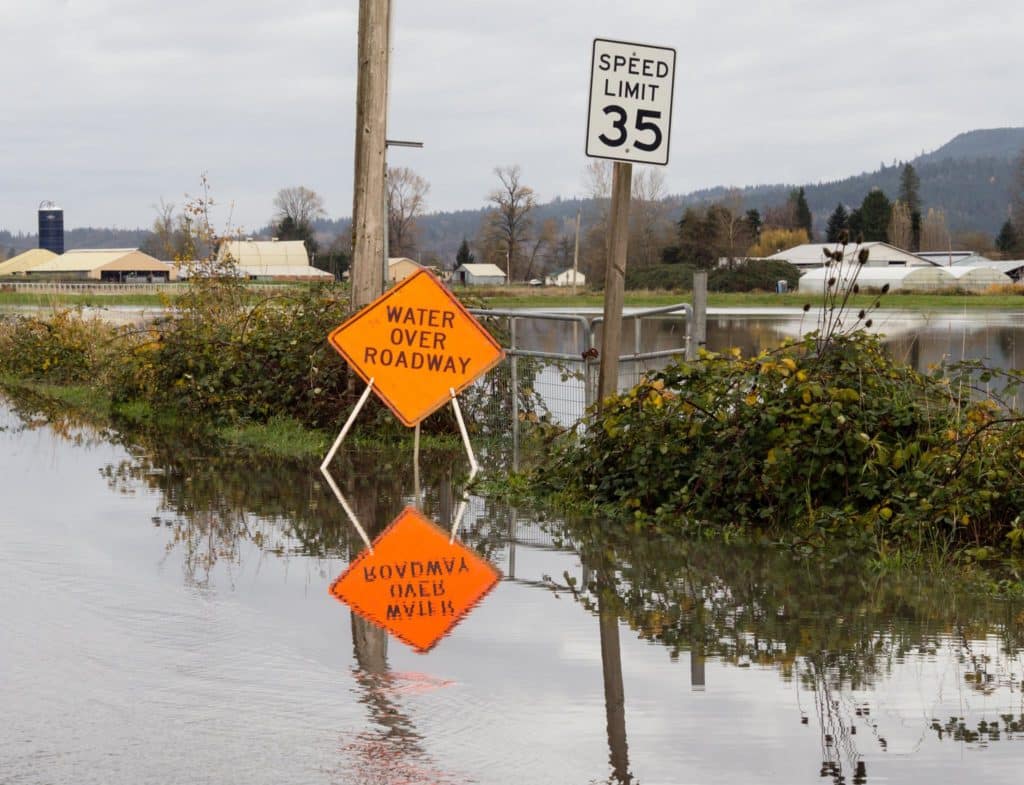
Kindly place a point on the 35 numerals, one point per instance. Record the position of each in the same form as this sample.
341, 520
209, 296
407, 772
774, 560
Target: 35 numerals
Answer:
642, 124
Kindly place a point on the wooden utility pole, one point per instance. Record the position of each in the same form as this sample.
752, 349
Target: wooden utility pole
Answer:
369, 217
576, 251
615, 280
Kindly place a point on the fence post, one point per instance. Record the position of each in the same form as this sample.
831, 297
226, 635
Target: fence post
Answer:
697, 334
514, 365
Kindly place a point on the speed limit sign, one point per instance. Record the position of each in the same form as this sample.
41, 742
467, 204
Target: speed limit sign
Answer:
630, 101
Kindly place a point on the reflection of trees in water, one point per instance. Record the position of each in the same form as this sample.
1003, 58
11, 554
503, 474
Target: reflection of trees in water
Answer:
283, 507
761, 606
833, 626
36, 412
213, 498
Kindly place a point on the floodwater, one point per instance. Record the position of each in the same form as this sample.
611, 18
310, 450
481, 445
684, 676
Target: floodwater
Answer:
166, 619
922, 340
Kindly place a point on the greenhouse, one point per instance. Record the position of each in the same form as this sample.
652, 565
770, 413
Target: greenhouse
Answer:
898, 278
978, 279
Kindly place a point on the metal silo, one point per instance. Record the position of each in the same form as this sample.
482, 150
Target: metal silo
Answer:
51, 227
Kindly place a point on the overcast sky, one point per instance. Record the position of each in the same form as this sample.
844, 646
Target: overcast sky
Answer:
112, 105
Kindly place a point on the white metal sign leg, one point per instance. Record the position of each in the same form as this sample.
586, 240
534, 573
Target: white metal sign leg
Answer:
330, 457
474, 467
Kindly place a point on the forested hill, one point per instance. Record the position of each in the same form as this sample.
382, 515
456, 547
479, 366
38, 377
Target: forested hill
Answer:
969, 177
82, 237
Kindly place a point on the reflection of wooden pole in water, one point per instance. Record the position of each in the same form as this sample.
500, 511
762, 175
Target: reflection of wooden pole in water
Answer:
446, 499
370, 641
614, 694
697, 669
513, 516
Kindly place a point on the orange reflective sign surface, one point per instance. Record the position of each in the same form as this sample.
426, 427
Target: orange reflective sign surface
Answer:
415, 584
417, 342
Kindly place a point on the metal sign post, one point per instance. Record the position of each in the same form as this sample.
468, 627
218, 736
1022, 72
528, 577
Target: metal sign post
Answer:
629, 121
416, 347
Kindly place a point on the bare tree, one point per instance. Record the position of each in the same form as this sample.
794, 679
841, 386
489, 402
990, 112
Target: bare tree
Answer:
650, 228
597, 178
1017, 191
407, 198
541, 247
300, 204
781, 216
934, 234
511, 220
733, 228
901, 227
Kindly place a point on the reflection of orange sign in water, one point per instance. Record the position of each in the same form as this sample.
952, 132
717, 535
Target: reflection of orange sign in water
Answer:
416, 584
417, 342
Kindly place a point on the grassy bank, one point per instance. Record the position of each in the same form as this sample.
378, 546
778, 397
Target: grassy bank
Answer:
63, 300
280, 437
524, 297
551, 297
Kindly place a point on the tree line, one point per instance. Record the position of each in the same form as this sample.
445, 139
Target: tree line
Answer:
528, 239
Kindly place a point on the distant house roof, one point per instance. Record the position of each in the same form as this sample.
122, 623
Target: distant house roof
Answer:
482, 270
566, 277
981, 261
879, 253
401, 267
26, 261
97, 260
946, 258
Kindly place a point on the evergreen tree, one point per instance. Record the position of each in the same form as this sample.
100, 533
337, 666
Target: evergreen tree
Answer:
1008, 241
802, 211
875, 212
754, 224
290, 229
464, 255
698, 237
910, 184
837, 222
855, 224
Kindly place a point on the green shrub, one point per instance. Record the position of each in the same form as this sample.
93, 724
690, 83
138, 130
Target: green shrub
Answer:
814, 439
753, 275
64, 349
671, 277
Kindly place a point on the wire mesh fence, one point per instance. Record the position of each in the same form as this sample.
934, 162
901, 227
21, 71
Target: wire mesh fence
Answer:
550, 372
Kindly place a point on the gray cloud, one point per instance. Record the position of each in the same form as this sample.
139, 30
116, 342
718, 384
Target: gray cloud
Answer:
115, 104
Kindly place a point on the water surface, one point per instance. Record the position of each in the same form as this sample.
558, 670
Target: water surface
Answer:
166, 620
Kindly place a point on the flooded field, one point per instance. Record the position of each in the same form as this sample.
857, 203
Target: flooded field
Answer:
166, 619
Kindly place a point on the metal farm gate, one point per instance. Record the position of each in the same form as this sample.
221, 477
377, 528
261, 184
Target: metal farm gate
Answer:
552, 361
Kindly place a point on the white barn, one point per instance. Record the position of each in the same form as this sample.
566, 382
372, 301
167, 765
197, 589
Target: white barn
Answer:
271, 259
565, 278
478, 275
811, 255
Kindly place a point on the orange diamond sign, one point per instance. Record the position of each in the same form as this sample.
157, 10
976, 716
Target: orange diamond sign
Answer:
417, 342
416, 584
